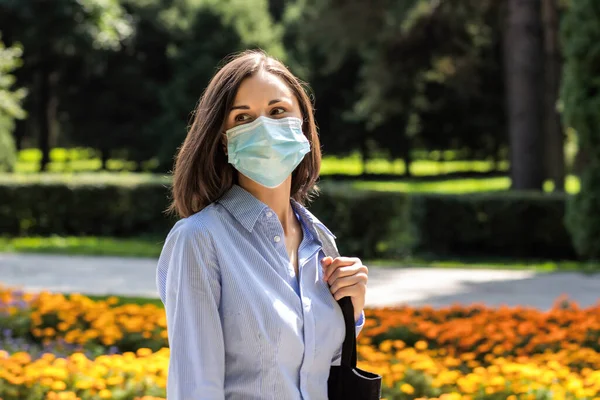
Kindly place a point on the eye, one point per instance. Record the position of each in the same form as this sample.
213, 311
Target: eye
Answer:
241, 118
278, 110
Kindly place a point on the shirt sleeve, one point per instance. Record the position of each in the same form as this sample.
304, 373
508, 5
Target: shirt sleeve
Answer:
189, 284
360, 323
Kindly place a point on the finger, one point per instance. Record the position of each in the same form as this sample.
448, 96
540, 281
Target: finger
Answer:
340, 262
355, 290
347, 271
348, 281
326, 261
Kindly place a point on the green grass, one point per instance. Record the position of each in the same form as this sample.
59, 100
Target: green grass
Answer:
72, 160
453, 186
353, 165
492, 263
78, 166
93, 246
122, 178
88, 160
151, 247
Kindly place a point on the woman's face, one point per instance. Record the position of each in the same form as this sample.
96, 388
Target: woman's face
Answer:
262, 94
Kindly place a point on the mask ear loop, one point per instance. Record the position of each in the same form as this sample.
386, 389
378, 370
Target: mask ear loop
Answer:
224, 143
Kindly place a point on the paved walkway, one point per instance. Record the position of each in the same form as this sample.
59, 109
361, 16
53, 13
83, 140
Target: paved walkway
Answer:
387, 286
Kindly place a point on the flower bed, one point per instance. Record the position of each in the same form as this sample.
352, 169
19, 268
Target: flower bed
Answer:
58, 347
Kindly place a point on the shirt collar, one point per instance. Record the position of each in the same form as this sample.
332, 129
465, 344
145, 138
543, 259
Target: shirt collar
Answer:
247, 209
243, 206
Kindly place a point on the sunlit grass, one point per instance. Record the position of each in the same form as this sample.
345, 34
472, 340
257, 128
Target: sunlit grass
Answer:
88, 160
353, 165
71, 160
92, 246
454, 186
491, 263
451, 186
122, 178
151, 247
78, 165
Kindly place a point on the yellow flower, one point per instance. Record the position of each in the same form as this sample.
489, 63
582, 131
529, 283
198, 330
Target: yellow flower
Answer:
59, 385
421, 345
144, 352
407, 388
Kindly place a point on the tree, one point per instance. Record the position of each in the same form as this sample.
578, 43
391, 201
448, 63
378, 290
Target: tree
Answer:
581, 98
52, 32
523, 73
117, 119
10, 104
203, 34
553, 133
462, 104
409, 54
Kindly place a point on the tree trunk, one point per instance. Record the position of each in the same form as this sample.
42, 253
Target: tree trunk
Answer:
104, 156
19, 133
554, 137
407, 155
364, 150
43, 118
523, 69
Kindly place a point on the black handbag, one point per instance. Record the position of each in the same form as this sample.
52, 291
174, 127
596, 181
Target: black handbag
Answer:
346, 382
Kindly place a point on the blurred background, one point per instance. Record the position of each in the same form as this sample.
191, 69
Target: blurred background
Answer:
461, 162
450, 129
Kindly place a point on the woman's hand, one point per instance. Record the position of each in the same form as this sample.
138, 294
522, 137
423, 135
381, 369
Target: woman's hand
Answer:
347, 276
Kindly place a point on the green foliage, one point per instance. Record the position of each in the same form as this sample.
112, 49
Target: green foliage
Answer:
581, 98
64, 41
203, 33
367, 224
499, 224
10, 104
395, 75
90, 207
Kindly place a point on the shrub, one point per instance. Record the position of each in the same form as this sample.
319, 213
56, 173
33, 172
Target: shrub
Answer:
102, 209
581, 97
367, 224
498, 224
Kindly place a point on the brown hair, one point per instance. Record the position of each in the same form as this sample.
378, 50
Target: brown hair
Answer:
202, 174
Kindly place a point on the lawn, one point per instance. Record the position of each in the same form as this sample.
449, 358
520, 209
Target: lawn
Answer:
453, 186
92, 246
151, 247
68, 347
87, 160
82, 165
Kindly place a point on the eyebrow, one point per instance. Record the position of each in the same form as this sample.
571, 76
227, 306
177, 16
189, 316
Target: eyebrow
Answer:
244, 107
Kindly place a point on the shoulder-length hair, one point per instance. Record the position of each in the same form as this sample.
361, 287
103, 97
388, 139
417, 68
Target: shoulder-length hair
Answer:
202, 173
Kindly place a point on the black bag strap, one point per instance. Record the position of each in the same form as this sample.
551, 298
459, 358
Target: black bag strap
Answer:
349, 346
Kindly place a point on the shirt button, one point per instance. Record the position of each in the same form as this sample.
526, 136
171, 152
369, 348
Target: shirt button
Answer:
277, 239
269, 214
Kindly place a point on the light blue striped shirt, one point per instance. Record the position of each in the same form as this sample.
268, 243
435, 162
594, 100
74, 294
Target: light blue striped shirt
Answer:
241, 324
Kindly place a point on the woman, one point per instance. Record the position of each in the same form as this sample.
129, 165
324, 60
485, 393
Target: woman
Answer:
249, 295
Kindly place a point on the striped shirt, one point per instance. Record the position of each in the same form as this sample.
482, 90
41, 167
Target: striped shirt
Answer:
241, 324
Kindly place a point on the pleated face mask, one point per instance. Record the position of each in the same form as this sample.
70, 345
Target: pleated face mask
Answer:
267, 150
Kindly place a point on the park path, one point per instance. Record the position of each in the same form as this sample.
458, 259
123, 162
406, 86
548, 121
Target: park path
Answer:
387, 286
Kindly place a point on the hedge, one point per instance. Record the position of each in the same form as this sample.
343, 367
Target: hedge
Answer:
497, 224
367, 224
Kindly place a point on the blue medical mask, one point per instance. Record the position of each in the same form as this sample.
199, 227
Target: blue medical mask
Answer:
267, 150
